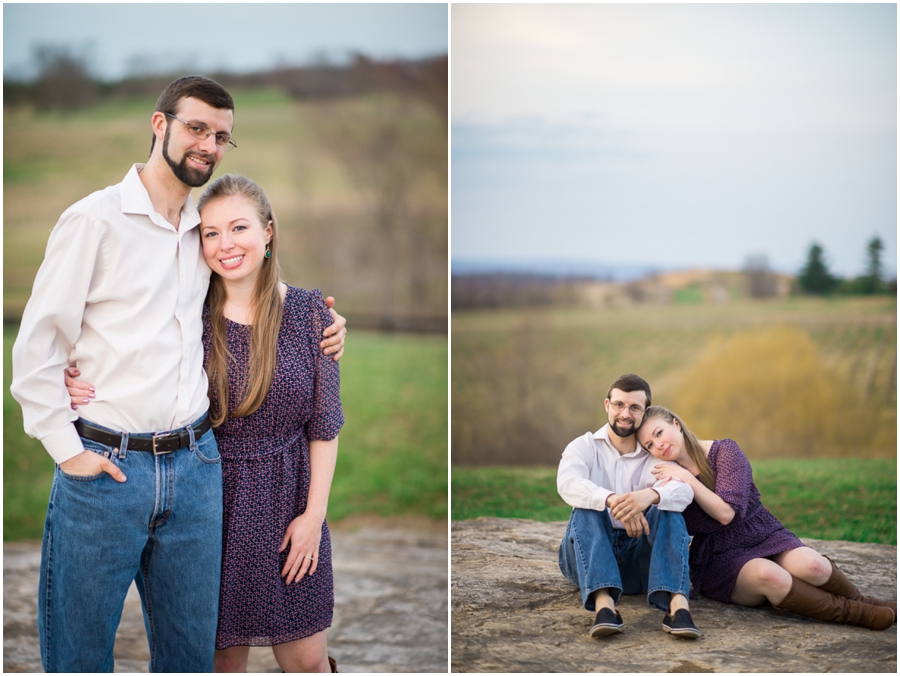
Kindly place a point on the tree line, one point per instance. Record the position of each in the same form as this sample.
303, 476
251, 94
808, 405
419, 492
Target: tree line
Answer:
65, 81
816, 279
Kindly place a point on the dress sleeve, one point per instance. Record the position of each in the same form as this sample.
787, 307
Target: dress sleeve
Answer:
327, 415
734, 484
734, 477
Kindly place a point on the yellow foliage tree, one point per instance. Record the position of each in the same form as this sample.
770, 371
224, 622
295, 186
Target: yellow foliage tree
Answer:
771, 391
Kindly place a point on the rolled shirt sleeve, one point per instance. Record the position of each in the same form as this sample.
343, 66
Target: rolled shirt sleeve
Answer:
572, 479
674, 496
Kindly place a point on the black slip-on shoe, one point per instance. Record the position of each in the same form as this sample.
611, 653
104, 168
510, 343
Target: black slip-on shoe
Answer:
607, 622
680, 625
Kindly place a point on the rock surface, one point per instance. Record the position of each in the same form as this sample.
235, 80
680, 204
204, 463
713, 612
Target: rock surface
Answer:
513, 611
390, 605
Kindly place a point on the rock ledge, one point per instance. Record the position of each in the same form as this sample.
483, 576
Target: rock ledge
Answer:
513, 611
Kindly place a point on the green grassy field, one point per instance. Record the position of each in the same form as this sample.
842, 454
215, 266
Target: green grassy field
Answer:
828, 499
393, 447
781, 376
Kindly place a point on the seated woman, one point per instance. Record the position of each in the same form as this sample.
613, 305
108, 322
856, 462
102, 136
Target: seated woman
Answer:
276, 411
740, 552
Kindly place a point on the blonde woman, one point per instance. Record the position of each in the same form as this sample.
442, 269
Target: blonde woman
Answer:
740, 553
276, 412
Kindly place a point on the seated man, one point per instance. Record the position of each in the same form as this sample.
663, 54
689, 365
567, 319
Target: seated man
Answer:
626, 533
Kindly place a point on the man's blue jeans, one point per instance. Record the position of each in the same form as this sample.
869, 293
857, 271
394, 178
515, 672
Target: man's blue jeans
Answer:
593, 555
161, 528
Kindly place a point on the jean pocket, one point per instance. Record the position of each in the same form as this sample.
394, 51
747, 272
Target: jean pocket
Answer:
93, 447
207, 450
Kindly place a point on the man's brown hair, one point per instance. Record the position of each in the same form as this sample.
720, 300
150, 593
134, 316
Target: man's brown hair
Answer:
193, 86
630, 383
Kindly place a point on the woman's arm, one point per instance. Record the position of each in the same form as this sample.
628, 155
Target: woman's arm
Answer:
708, 501
304, 534
711, 503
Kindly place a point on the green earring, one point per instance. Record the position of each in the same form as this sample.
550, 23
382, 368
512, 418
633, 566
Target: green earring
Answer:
268, 252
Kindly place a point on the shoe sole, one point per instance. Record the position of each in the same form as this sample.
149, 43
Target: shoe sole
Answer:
682, 633
604, 630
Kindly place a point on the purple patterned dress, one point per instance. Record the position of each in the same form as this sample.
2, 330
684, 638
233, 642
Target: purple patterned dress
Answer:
719, 552
265, 468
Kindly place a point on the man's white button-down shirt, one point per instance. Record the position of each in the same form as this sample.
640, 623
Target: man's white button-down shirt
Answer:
120, 293
591, 470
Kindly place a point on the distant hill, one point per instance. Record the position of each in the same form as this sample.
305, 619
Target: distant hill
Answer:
486, 285
596, 270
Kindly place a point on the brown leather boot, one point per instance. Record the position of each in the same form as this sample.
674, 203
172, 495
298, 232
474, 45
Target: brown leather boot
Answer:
840, 585
809, 601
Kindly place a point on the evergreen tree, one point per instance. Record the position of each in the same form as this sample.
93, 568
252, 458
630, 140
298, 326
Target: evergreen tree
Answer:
815, 278
873, 280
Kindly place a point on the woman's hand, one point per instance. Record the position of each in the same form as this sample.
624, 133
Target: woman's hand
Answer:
669, 471
303, 534
80, 393
334, 333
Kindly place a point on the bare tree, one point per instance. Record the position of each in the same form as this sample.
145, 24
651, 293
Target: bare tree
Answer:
388, 147
761, 283
64, 80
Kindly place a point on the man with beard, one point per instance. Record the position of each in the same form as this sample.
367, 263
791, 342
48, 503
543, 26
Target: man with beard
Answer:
626, 534
137, 490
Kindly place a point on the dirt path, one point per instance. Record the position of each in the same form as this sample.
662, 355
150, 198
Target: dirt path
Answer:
390, 604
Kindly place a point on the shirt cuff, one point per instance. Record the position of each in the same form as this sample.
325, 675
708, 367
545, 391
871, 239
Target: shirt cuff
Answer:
598, 499
675, 496
63, 444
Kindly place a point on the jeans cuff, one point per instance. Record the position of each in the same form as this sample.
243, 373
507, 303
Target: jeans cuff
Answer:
658, 605
614, 590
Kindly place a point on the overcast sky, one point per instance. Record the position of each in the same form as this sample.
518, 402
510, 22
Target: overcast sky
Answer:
206, 37
674, 135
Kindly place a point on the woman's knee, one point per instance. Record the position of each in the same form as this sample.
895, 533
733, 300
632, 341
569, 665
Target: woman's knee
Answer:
767, 578
231, 660
305, 664
808, 565
307, 655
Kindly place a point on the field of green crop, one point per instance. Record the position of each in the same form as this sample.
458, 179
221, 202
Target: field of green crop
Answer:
797, 377
393, 447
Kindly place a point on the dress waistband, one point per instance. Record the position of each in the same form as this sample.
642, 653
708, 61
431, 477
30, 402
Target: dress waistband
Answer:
240, 447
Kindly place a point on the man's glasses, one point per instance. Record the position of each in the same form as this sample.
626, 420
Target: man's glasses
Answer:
201, 131
634, 408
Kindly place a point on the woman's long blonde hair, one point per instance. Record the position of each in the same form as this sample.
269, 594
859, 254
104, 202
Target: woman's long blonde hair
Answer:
695, 451
265, 311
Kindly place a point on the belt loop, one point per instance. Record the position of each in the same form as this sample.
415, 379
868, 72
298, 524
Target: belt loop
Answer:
190, 429
123, 448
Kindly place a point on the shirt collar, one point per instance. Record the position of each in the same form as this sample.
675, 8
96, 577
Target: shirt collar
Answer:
603, 435
136, 200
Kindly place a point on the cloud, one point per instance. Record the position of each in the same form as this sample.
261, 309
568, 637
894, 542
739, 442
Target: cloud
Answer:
721, 130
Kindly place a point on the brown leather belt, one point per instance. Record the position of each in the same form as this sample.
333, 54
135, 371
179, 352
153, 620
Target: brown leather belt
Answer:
158, 444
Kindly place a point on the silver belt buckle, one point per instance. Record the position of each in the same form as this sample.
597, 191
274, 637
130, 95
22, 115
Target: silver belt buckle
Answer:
153, 441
